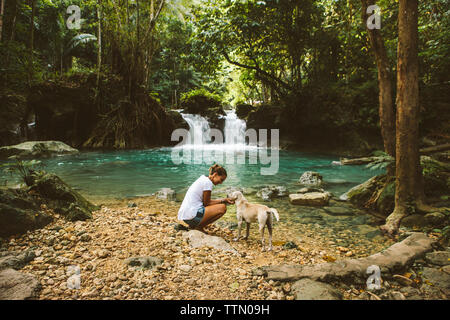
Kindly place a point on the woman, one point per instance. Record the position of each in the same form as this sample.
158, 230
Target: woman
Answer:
198, 209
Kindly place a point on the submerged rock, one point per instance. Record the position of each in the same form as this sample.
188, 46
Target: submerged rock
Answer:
311, 178
36, 149
270, 192
310, 199
166, 194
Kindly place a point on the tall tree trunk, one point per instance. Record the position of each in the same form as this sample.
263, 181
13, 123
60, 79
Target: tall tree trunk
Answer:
13, 24
2, 12
99, 44
408, 181
30, 62
385, 85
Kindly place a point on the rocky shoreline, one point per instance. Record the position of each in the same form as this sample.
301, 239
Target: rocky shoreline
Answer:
139, 251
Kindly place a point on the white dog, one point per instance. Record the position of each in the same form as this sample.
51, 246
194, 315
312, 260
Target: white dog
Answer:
252, 213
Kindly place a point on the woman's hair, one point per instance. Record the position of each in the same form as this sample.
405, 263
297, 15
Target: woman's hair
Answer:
217, 169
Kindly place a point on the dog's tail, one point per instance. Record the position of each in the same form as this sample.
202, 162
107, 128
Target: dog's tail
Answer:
275, 213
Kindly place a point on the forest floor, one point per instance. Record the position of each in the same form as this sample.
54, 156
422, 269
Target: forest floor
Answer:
100, 248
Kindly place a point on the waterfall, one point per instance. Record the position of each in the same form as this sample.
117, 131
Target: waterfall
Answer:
234, 129
199, 129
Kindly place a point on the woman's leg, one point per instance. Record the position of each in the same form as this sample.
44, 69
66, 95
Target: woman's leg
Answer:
212, 213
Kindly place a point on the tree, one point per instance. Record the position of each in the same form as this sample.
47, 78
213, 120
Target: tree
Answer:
385, 85
408, 183
2, 10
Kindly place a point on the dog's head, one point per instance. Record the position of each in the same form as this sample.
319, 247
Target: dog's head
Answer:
235, 195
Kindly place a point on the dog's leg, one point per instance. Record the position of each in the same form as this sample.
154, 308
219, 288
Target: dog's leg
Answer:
247, 232
269, 228
261, 231
239, 230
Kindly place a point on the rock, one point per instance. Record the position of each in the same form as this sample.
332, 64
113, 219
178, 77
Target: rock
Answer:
306, 190
132, 205
199, 239
185, 268
180, 227
15, 285
147, 262
85, 237
35, 149
437, 278
361, 193
435, 219
338, 211
290, 245
413, 220
20, 212
62, 198
440, 258
311, 178
396, 295
270, 192
166, 194
307, 289
17, 261
310, 199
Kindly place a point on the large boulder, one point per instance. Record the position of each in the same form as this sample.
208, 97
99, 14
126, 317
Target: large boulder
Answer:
20, 212
15, 285
198, 239
310, 199
36, 149
59, 196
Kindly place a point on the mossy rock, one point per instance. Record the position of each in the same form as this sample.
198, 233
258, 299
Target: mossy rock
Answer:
61, 197
386, 201
20, 212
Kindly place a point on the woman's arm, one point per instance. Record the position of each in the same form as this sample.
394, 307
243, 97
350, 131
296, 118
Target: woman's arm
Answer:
207, 201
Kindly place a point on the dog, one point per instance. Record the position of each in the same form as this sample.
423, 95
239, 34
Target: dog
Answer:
253, 213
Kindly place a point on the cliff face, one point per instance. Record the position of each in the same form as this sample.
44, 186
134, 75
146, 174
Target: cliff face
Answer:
69, 110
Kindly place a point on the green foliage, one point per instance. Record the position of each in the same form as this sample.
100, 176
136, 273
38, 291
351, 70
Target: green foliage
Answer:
24, 169
194, 94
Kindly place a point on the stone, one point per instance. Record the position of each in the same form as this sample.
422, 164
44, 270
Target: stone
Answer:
35, 149
166, 194
437, 278
435, 219
20, 212
15, 285
396, 295
440, 258
270, 192
310, 199
290, 245
311, 178
307, 289
17, 260
185, 268
198, 239
413, 221
144, 262
338, 211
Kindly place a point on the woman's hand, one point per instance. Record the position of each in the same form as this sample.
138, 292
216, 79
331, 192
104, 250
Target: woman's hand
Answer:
228, 201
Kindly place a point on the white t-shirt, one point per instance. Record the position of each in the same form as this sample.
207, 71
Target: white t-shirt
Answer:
193, 200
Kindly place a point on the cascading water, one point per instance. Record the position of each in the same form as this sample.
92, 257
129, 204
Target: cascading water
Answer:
199, 130
234, 129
